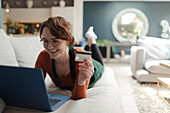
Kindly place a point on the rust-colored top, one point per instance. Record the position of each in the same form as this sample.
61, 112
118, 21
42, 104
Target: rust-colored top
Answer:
44, 62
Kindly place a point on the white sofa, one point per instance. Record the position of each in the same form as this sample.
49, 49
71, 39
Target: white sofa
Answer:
146, 59
103, 97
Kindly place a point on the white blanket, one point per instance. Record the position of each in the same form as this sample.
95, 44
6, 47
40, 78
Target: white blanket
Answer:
103, 97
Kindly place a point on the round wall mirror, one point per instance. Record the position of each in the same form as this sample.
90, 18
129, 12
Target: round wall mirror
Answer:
129, 24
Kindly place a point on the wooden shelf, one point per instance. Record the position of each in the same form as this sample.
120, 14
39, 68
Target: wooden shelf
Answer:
26, 22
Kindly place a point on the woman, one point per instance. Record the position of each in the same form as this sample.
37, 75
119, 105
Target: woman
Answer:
58, 58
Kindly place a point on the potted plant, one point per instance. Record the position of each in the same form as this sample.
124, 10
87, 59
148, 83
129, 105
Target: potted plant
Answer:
103, 47
22, 28
12, 26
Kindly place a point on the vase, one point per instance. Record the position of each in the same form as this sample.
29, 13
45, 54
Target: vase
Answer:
21, 30
62, 3
11, 30
29, 3
55, 2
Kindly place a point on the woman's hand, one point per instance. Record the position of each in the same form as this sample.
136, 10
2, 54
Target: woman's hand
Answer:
86, 70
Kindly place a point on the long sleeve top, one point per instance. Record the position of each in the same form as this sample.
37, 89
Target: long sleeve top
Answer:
45, 63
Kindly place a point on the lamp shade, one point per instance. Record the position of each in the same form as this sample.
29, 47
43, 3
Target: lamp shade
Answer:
7, 7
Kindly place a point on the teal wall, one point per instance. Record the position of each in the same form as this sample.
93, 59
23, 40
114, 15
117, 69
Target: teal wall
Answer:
0, 16
101, 14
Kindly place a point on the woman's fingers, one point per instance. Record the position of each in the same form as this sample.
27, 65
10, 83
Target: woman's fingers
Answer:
87, 63
86, 70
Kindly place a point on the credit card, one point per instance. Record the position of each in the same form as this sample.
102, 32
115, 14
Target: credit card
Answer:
83, 55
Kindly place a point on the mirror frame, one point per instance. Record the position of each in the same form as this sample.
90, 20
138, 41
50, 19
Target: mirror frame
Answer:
116, 20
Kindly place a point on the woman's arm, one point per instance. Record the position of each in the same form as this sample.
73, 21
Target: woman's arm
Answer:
84, 73
40, 62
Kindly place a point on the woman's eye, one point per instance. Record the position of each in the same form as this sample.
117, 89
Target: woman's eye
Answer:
55, 41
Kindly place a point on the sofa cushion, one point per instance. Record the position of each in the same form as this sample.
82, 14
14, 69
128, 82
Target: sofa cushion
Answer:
103, 97
156, 48
7, 55
154, 66
26, 50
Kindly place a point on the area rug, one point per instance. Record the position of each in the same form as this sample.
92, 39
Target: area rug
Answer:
147, 99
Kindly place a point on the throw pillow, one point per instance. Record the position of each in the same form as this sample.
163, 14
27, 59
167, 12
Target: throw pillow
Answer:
156, 48
26, 49
7, 54
168, 56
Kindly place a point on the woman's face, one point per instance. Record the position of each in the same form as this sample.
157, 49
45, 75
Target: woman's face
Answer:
57, 48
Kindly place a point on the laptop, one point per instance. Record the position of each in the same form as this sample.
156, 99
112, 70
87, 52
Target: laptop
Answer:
25, 88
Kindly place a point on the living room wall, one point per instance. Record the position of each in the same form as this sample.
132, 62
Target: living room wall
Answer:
101, 14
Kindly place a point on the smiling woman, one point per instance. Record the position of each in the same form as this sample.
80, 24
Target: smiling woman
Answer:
58, 58
129, 24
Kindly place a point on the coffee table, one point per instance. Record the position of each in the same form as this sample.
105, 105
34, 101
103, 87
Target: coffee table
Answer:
165, 64
165, 82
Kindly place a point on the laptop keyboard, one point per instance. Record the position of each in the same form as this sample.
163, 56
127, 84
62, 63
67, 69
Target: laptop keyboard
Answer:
53, 101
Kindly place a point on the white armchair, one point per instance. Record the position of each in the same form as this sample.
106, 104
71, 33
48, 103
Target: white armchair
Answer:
146, 58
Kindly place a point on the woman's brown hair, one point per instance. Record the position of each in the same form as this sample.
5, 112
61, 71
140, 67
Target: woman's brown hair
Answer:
60, 28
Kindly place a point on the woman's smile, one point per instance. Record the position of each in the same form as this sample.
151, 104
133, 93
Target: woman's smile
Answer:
53, 51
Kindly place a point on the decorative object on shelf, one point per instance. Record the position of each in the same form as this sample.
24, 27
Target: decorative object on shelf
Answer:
165, 29
29, 3
62, 3
17, 2
44, 2
22, 28
4, 3
122, 52
55, 2
12, 26
7, 8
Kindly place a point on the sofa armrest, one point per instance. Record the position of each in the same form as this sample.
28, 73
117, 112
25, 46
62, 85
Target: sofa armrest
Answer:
138, 56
